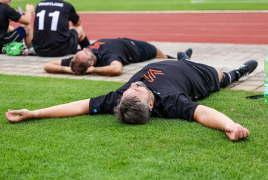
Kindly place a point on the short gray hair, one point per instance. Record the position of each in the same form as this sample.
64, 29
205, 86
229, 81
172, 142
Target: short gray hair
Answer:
131, 110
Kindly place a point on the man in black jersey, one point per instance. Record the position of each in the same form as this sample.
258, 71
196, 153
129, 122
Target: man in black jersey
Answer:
52, 35
107, 57
7, 33
166, 89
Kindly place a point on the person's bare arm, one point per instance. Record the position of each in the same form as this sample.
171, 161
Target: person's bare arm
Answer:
56, 67
63, 110
114, 69
27, 17
214, 119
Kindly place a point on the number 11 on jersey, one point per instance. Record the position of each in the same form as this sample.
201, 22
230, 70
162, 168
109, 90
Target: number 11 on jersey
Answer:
54, 23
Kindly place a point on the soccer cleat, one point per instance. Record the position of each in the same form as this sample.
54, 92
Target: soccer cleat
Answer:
246, 68
189, 52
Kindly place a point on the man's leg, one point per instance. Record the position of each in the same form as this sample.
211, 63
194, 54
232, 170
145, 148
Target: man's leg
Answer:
82, 38
188, 52
160, 55
220, 74
16, 35
185, 55
234, 75
28, 35
10, 28
182, 56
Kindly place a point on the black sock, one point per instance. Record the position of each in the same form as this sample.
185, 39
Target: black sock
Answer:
84, 43
170, 57
234, 75
227, 79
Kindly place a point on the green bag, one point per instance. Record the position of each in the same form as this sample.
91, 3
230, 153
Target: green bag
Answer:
14, 49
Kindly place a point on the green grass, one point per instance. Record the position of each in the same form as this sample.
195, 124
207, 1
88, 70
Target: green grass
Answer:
158, 5
100, 147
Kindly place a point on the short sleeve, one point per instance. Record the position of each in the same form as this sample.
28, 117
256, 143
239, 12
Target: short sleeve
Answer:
103, 104
73, 16
66, 62
107, 60
12, 14
185, 108
179, 107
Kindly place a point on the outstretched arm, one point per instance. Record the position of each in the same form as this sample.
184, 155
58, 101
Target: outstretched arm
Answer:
63, 110
114, 69
214, 119
26, 19
56, 67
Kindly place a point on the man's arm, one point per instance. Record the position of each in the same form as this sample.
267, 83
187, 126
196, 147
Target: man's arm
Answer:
214, 119
63, 110
56, 67
26, 19
78, 23
114, 69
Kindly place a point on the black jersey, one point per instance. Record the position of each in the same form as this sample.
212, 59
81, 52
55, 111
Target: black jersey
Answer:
51, 24
109, 50
175, 84
6, 13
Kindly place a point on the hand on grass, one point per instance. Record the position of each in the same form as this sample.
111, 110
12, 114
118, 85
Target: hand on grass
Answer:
22, 115
236, 132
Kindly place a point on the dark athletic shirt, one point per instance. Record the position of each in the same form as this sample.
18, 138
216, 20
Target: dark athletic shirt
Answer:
108, 50
51, 25
6, 13
175, 84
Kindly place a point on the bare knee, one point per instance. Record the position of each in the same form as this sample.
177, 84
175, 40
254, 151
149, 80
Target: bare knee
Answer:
80, 32
27, 28
160, 55
10, 28
220, 74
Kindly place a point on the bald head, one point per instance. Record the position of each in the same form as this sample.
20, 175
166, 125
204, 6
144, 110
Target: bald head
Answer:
82, 61
6, 2
81, 56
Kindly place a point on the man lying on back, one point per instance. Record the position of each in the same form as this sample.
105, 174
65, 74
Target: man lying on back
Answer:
167, 89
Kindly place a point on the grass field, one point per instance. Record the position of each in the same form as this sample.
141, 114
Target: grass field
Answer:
158, 5
100, 147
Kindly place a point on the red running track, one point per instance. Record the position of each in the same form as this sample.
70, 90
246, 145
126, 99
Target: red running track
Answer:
240, 28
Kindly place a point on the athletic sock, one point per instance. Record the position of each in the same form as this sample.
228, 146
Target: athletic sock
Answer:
170, 57
234, 75
84, 43
227, 78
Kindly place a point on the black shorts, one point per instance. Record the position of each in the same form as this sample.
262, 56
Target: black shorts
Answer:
209, 76
71, 44
145, 50
69, 47
16, 35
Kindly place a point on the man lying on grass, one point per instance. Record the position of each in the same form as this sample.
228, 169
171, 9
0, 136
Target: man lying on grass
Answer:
166, 89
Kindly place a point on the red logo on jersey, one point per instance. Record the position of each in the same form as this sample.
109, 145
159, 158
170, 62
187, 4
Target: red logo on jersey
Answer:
96, 45
151, 74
